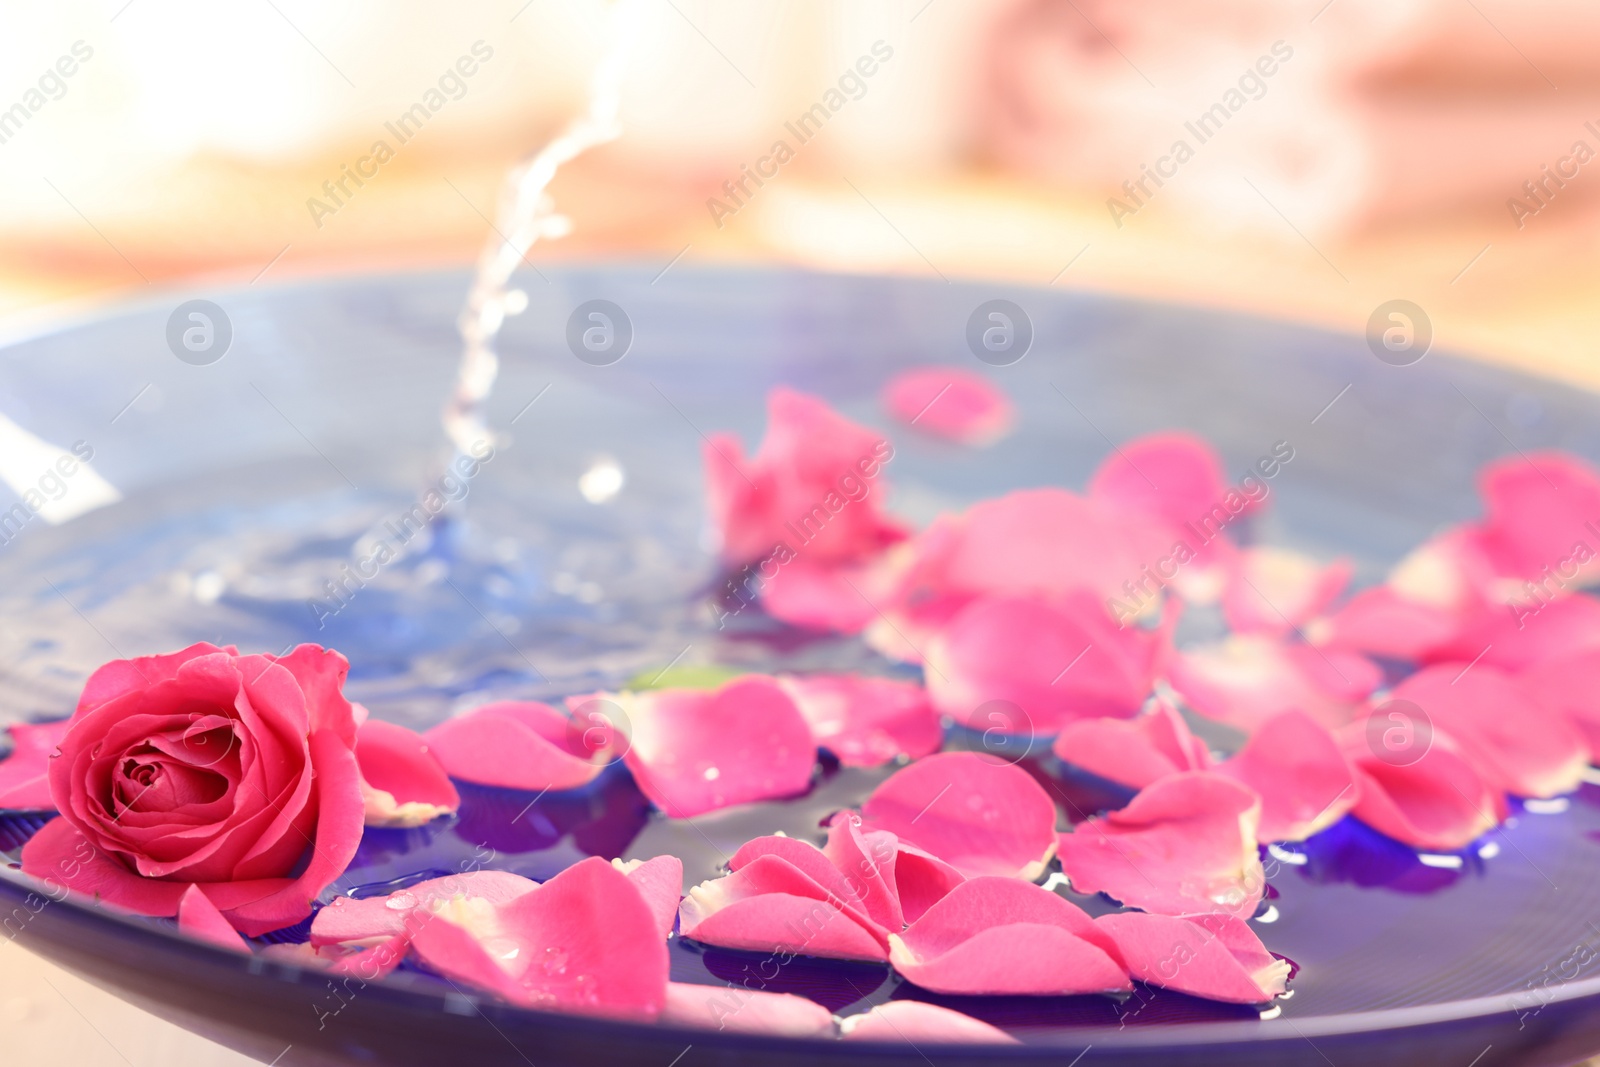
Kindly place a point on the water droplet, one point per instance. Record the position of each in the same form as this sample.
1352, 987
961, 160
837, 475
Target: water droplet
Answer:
337, 901
712, 774
555, 961
401, 902
503, 948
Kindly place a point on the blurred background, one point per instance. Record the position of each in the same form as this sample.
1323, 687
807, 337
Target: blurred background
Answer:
1301, 159
1337, 153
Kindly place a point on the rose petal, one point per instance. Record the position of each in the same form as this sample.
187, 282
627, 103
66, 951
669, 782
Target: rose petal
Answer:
922, 880
585, 941
321, 673
811, 861
784, 922
1381, 622
373, 963
911, 1021
815, 596
1176, 476
199, 918
123, 676
1295, 767
745, 1011
1217, 957
1056, 662
1430, 599
866, 859
1185, 845
1250, 678
696, 750
1275, 590
995, 936
753, 908
1133, 752
865, 721
815, 485
403, 785
1438, 802
25, 774
1518, 637
338, 833
1034, 544
360, 921
1515, 744
1537, 506
1567, 685
660, 882
515, 745
949, 402
975, 812
62, 855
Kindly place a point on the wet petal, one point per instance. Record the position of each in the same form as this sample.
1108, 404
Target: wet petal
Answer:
1217, 957
1276, 590
660, 881
402, 783
1055, 661
745, 1011
866, 721
1250, 678
975, 812
1134, 752
514, 745
199, 918
1516, 745
1185, 845
363, 921
995, 936
697, 750
25, 774
1295, 767
585, 941
948, 402
912, 1021
1436, 802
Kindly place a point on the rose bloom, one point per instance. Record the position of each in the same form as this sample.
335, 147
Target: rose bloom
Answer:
236, 774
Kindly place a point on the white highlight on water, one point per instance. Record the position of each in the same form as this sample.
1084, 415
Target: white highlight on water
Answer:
526, 213
26, 459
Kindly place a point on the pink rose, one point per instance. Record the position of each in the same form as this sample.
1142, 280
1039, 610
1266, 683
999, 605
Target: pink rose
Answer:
208, 769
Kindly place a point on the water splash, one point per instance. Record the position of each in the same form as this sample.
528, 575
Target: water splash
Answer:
525, 214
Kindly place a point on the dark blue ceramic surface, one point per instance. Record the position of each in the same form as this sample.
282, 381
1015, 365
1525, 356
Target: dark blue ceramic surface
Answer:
249, 481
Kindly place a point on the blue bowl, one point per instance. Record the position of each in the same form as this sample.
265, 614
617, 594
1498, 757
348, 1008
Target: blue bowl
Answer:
251, 480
